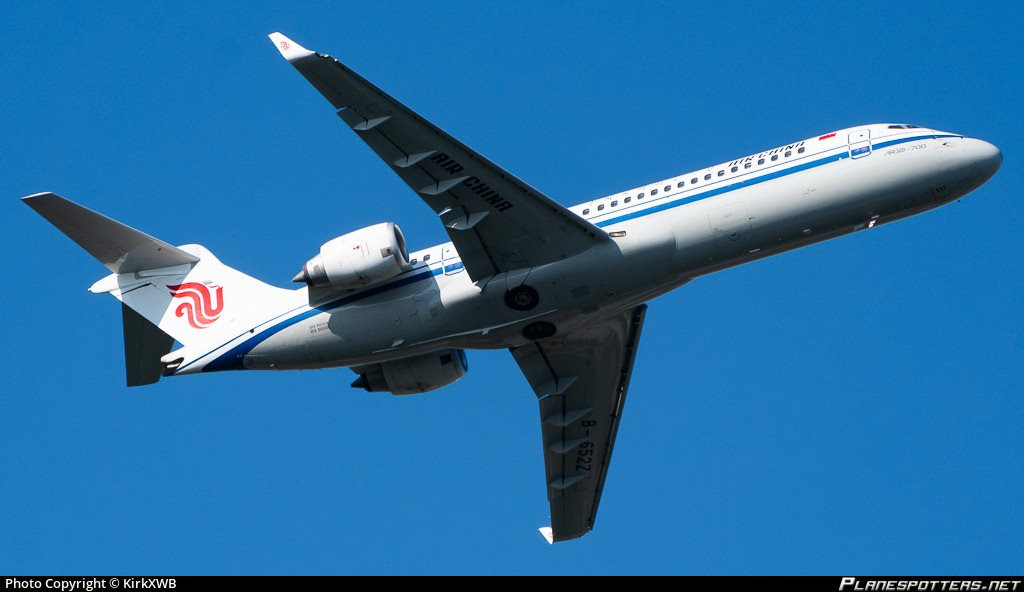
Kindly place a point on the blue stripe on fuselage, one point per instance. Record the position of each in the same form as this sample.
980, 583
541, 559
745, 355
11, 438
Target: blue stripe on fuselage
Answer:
651, 209
232, 359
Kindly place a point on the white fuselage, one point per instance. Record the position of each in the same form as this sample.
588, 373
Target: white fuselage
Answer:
664, 235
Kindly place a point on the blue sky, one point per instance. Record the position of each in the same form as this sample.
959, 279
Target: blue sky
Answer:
855, 406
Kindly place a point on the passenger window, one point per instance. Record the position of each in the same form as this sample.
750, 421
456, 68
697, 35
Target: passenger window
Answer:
654, 192
789, 153
615, 203
801, 150
748, 165
680, 184
707, 176
775, 157
600, 207
426, 257
693, 181
668, 188
586, 211
640, 196
760, 161
627, 200
720, 173
734, 169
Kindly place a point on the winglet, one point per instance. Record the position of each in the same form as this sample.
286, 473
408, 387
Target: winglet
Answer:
289, 49
545, 531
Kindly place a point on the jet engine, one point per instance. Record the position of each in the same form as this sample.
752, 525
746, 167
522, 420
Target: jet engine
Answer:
415, 375
367, 256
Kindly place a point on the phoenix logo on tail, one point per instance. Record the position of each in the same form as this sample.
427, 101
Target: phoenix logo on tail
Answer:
199, 303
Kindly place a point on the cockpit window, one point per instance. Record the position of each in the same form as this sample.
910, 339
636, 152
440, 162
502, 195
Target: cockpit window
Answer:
903, 126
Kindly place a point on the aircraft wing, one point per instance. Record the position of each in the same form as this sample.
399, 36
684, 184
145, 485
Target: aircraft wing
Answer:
580, 379
497, 222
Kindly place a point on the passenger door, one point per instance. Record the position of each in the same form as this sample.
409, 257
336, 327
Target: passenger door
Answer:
860, 143
450, 260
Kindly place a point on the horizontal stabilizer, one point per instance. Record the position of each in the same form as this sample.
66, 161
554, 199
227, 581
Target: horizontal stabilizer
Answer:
121, 248
144, 344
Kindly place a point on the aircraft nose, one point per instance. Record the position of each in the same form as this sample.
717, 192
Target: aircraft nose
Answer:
985, 157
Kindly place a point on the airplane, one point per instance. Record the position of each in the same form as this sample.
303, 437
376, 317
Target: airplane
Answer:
564, 289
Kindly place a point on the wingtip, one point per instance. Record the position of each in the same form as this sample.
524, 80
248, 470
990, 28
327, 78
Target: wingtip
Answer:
288, 48
38, 195
545, 531
41, 200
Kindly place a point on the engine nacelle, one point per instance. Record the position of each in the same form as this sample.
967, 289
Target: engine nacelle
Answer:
415, 375
367, 256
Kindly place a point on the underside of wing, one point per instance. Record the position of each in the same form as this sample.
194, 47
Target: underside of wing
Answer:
580, 379
497, 222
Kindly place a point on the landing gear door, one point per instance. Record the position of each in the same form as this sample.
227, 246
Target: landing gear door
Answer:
450, 260
730, 224
860, 143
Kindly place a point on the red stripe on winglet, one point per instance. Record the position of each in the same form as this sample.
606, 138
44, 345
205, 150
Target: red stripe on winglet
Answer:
827, 136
